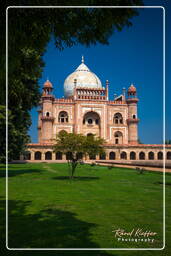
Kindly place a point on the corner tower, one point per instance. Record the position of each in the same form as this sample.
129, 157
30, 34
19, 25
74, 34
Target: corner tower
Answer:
132, 120
46, 118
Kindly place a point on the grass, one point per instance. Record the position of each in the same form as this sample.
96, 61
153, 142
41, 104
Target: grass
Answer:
47, 210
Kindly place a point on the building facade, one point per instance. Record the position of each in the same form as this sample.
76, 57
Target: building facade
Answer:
86, 109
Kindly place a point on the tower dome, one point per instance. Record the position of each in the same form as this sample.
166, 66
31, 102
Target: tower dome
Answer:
81, 77
48, 84
132, 89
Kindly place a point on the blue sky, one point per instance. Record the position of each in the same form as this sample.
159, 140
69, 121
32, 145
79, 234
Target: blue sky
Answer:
134, 55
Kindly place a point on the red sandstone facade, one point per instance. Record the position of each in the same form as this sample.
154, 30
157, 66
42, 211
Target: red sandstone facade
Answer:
88, 112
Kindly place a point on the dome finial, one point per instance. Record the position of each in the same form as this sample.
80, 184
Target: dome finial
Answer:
82, 60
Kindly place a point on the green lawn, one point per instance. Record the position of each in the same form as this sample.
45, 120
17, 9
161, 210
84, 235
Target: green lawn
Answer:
47, 210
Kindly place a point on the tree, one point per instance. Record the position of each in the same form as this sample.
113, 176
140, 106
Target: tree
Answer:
168, 142
139, 141
29, 31
3, 133
78, 146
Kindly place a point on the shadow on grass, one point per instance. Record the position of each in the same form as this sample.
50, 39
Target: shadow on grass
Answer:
15, 166
49, 228
2, 166
75, 178
161, 183
12, 173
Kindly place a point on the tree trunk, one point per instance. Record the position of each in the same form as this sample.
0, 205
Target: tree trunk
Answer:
73, 165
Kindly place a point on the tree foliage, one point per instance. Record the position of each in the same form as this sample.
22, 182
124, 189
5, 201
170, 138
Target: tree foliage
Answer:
2, 132
78, 146
139, 141
29, 31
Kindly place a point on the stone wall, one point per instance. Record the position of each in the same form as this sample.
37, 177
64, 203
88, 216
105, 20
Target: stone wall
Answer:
43, 152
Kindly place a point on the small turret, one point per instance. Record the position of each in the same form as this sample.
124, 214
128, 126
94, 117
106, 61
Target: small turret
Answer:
47, 88
132, 120
132, 91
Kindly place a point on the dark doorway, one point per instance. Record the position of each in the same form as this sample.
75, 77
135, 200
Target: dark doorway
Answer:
142, 156
112, 155
48, 155
132, 156
58, 155
38, 155
123, 155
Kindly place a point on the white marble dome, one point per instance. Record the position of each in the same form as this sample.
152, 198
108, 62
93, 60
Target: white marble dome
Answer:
84, 78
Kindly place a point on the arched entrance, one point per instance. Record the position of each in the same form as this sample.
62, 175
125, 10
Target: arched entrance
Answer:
112, 155
118, 137
63, 117
48, 155
103, 156
118, 119
37, 155
69, 156
151, 155
92, 156
58, 155
89, 134
160, 155
91, 123
132, 155
142, 156
123, 155
169, 155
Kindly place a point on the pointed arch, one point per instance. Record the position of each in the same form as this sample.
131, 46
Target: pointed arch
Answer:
63, 117
118, 137
69, 156
132, 155
91, 118
37, 155
123, 155
151, 155
118, 119
112, 155
142, 155
160, 155
103, 156
48, 155
58, 155
168, 155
